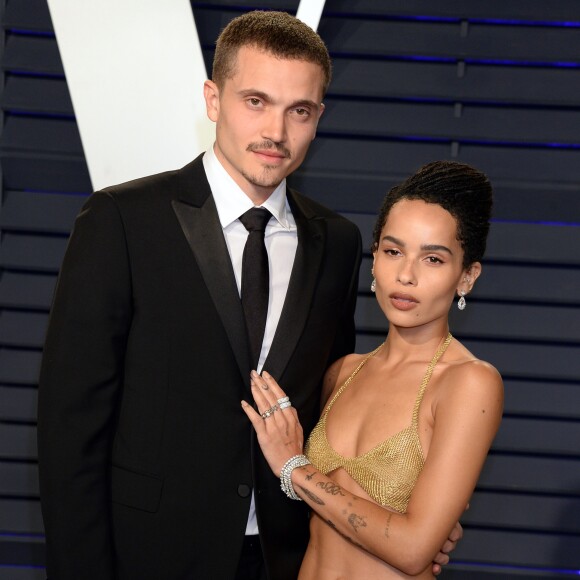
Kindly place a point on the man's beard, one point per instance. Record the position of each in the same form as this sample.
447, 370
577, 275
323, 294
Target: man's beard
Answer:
265, 179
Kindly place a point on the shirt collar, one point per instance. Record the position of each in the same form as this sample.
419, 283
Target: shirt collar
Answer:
232, 202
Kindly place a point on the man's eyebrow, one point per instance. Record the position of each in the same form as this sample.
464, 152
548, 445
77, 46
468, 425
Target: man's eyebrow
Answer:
305, 103
255, 93
265, 97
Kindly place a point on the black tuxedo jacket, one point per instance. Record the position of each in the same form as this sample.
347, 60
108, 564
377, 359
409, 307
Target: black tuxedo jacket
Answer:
147, 461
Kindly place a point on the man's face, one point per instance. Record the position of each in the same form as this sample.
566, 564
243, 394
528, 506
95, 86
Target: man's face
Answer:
266, 116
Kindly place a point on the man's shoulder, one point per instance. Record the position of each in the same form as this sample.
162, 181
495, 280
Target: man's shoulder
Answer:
159, 184
313, 209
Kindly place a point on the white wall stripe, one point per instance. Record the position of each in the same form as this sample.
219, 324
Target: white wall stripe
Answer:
135, 72
310, 12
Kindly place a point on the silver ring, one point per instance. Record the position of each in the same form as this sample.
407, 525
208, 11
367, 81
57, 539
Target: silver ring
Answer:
269, 412
283, 400
285, 404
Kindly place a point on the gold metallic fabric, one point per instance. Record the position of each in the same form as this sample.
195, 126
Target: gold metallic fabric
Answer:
389, 471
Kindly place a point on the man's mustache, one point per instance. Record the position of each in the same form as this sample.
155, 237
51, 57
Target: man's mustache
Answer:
269, 145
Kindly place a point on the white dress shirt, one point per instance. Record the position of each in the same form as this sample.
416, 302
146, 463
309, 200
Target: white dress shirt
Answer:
281, 239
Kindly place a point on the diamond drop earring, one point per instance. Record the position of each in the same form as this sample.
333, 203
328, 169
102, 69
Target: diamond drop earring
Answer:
461, 303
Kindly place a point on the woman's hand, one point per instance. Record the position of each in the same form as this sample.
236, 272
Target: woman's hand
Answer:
278, 429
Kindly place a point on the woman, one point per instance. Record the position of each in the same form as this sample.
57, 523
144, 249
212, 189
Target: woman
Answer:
405, 429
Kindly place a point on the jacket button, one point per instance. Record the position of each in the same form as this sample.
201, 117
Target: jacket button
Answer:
244, 490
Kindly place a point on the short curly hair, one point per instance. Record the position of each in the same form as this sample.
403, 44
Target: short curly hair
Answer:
275, 32
462, 190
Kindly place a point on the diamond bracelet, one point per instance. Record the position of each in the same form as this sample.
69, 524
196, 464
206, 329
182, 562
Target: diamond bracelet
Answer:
286, 475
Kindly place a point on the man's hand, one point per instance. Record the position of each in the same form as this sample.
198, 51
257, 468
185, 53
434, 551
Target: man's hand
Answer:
442, 558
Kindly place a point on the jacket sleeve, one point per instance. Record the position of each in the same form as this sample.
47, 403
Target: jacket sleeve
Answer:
79, 388
345, 339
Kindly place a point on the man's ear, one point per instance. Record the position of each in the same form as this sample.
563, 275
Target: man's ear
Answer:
211, 94
320, 111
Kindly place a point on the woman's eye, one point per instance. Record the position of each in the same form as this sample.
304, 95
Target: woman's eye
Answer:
434, 260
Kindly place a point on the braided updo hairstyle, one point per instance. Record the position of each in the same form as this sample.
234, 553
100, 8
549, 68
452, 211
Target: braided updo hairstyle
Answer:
462, 190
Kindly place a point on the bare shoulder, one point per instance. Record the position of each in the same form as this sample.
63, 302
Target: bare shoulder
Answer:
467, 377
337, 373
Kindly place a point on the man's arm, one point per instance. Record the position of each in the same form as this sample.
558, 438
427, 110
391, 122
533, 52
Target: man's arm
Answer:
79, 388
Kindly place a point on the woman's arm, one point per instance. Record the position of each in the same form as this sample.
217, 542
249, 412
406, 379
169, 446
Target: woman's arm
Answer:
467, 417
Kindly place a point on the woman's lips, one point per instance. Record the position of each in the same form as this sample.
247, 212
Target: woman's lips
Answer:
403, 301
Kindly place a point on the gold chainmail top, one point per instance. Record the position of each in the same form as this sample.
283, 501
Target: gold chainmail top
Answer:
389, 471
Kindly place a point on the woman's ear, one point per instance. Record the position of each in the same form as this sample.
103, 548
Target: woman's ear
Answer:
470, 275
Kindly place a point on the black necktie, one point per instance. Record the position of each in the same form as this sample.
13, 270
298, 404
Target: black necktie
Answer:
255, 278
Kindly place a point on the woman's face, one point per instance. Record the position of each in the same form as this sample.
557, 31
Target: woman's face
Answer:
418, 264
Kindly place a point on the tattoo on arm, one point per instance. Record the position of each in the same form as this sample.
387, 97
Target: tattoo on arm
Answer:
331, 524
388, 525
330, 488
357, 522
311, 496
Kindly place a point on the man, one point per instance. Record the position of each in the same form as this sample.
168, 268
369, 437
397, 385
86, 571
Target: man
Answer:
148, 466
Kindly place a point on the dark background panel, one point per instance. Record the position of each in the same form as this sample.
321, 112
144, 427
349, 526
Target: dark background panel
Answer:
538, 398
514, 548
18, 479
21, 251
449, 121
453, 39
21, 516
536, 474
23, 290
456, 82
34, 55
18, 404
521, 11
37, 212
18, 441
19, 366
383, 157
22, 328
41, 96
512, 510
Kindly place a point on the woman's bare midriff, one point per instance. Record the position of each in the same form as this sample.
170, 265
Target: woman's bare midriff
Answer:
330, 556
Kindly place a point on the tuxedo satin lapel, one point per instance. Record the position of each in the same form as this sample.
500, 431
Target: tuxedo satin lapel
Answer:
204, 234
309, 254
